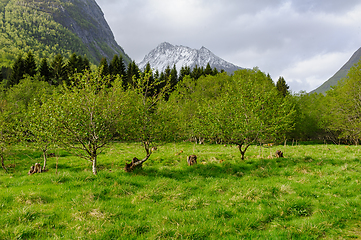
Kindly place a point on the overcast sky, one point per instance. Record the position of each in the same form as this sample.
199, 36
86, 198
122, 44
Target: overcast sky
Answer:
305, 41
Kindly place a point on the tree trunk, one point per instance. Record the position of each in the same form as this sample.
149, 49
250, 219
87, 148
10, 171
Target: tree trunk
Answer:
2, 162
136, 163
94, 165
243, 152
44, 155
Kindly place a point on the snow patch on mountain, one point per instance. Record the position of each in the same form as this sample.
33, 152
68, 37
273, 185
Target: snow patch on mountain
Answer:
166, 54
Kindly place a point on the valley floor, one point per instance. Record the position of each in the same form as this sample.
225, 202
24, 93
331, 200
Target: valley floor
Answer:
312, 193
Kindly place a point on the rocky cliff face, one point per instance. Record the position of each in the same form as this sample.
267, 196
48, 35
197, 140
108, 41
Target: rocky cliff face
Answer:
86, 20
166, 54
50, 27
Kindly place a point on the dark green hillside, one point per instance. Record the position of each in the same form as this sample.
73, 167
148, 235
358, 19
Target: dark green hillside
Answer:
55, 26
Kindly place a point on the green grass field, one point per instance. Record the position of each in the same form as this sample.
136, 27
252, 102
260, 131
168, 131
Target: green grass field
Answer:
312, 193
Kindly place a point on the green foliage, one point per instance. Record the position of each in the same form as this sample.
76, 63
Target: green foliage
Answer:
17, 72
104, 67
77, 64
59, 68
30, 26
133, 72
146, 121
38, 126
242, 109
310, 122
28, 90
185, 71
45, 71
117, 67
343, 106
30, 64
282, 87
86, 115
48, 28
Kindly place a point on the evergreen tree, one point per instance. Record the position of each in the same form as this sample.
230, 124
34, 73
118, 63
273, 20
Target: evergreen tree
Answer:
59, 70
151, 89
132, 72
197, 72
208, 70
5, 73
117, 66
162, 79
282, 87
85, 63
215, 72
30, 64
173, 78
167, 73
156, 75
75, 64
17, 72
269, 77
104, 67
45, 70
185, 71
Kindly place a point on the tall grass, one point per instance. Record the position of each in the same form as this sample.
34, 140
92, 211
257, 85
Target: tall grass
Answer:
312, 193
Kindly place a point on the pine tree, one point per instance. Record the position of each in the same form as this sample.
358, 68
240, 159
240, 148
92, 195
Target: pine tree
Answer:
173, 78
282, 87
17, 72
215, 72
208, 70
45, 70
197, 72
104, 67
269, 78
30, 64
59, 70
117, 66
5, 73
185, 71
74, 64
132, 72
151, 81
85, 63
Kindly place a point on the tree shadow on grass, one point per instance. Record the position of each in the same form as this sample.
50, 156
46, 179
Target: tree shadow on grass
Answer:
256, 167
215, 170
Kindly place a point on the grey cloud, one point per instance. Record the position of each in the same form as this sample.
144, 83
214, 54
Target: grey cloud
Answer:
329, 6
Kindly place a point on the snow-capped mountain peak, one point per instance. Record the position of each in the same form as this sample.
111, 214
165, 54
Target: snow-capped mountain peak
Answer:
166, 54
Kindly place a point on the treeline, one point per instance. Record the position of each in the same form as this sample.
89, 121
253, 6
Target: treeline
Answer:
54, 72
90, 106
59, 70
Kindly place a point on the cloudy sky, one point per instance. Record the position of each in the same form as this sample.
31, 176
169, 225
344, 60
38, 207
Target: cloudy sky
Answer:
305, 41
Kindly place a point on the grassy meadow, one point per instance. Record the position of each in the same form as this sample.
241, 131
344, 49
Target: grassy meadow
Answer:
312, 193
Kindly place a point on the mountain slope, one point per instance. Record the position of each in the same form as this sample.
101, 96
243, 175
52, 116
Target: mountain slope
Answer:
167, 54
55, 26
340, 74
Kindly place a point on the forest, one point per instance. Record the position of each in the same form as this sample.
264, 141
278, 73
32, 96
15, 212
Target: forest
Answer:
71, 104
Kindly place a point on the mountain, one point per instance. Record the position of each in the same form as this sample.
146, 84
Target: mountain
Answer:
167, 54
55, 26
340, 74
